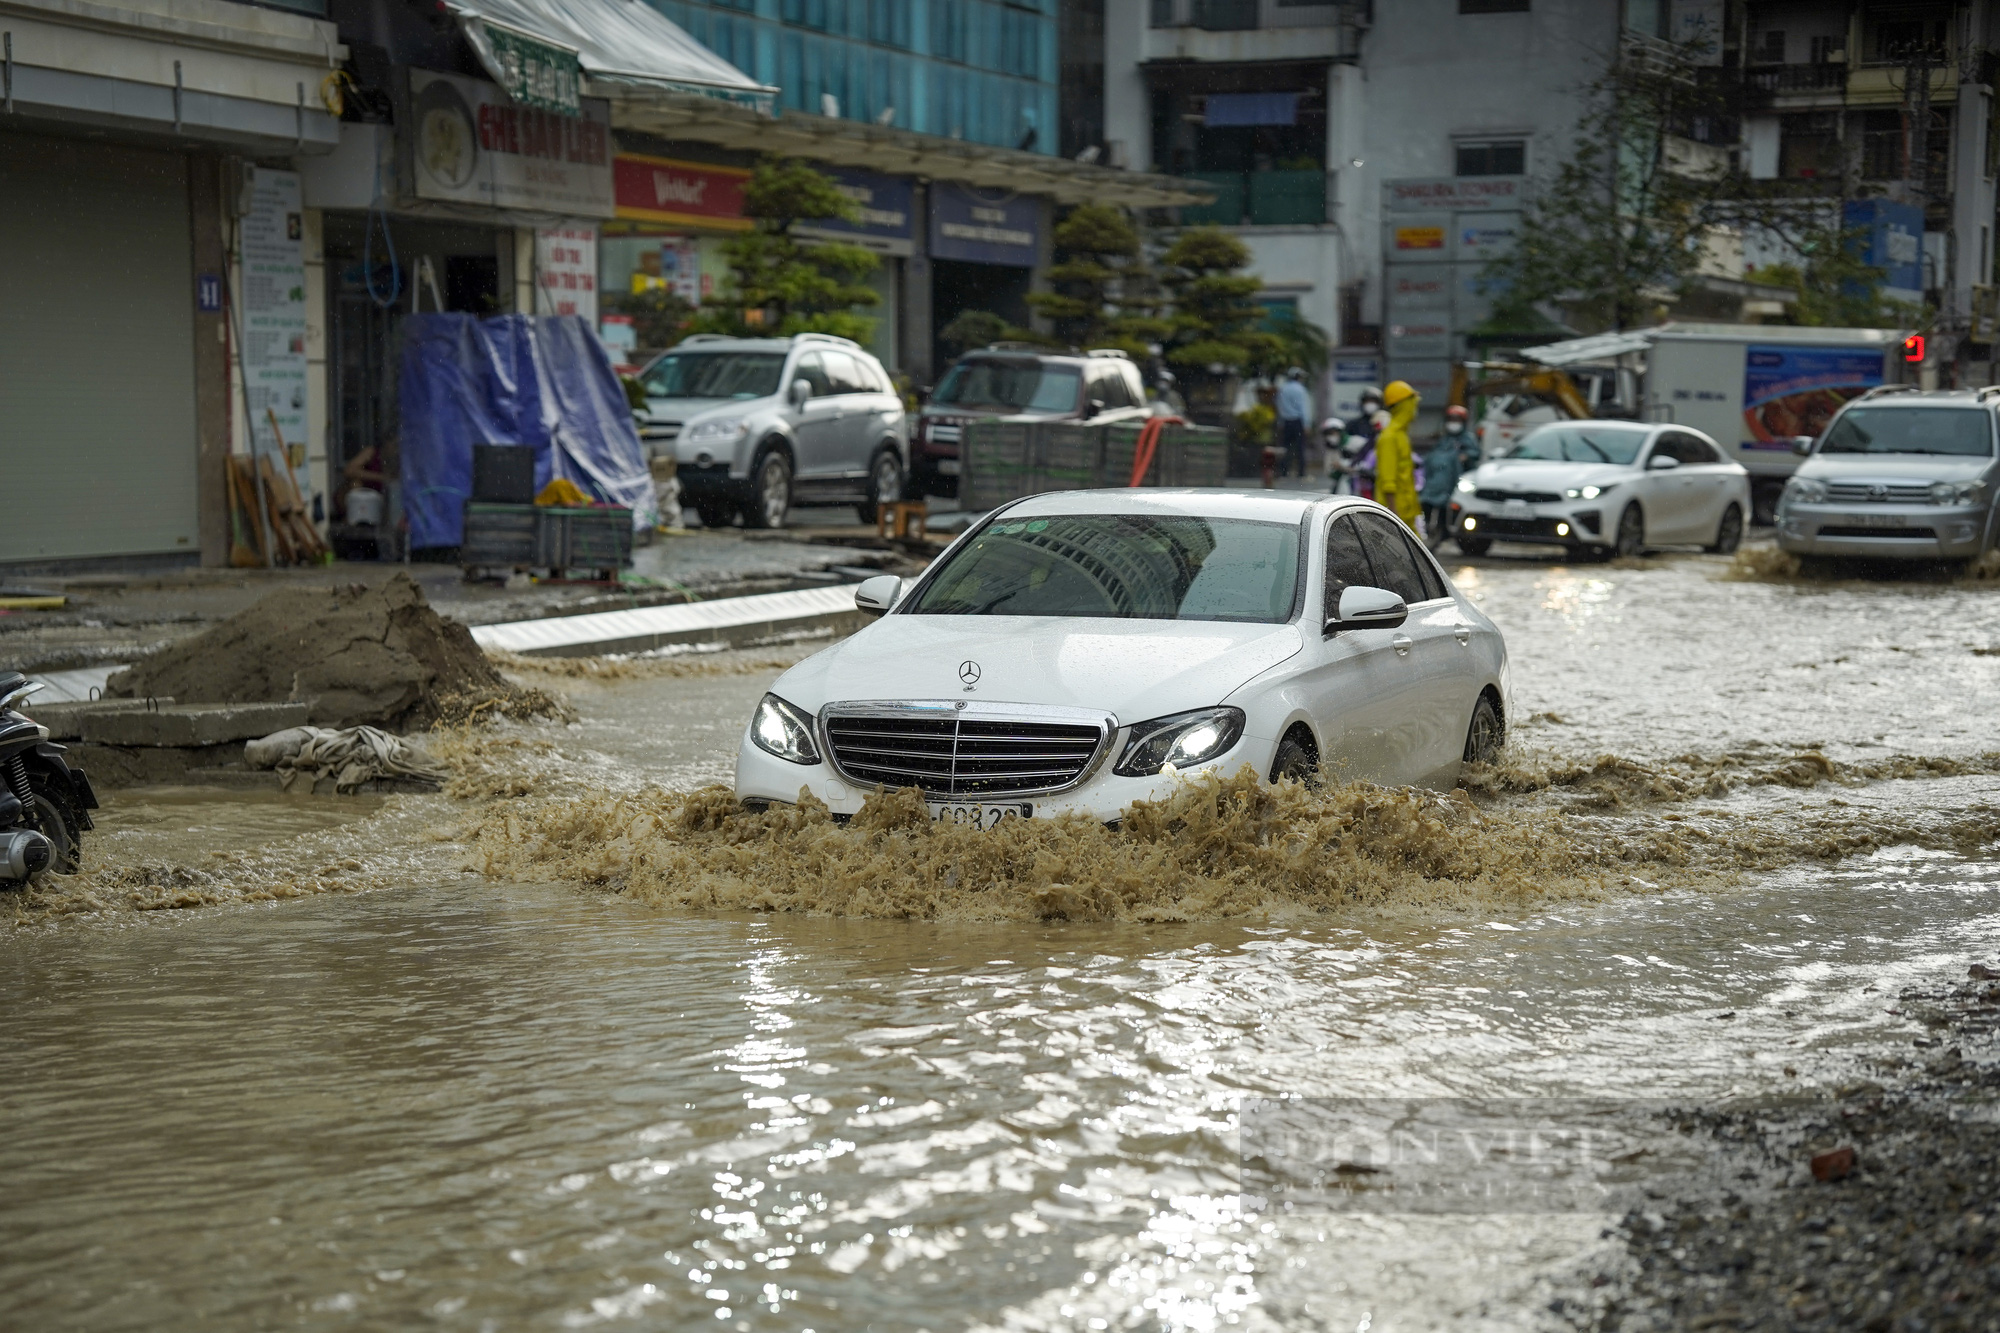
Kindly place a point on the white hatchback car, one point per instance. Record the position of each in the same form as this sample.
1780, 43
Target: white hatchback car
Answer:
1074, 652
1605, 488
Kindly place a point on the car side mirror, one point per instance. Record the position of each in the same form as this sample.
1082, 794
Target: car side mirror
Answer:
800, 391
1368, 608
1662, 463
874, 597
1802, 445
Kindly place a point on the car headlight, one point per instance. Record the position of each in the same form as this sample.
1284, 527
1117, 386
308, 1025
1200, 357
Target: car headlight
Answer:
1805, 491
782, 729
1588, 492
1957, 492
1466, 485
717, 430
1181, 740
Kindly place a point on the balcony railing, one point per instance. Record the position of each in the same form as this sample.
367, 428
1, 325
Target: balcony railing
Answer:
1821, 78
1260, 199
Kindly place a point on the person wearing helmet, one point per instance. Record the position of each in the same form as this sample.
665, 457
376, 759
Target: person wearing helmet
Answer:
1365, 425
1447, 461
1294, 411
1395, 466
1333, 440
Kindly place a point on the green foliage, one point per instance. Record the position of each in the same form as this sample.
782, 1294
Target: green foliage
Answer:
1215, 331
1836, 287
1305, 343
660, 316
1099, 287
1253, 425
780, 284
973, 328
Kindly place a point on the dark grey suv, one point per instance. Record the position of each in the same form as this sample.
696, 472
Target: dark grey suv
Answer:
1020, 383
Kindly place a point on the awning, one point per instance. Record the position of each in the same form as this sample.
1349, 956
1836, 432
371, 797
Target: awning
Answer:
1597, 347
1251, 109
614, 41
893, 152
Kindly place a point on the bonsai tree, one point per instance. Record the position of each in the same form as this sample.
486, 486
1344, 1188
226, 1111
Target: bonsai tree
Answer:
1099, 285
779, 283
974, 328
1215, 334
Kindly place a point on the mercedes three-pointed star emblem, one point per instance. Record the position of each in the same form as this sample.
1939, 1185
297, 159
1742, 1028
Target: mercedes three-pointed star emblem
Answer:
968, 673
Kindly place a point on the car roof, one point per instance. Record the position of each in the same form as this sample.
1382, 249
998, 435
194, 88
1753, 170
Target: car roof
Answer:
715, 342
1270, 506
1899, 396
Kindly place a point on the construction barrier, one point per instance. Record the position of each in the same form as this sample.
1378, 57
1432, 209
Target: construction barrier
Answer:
1004, 460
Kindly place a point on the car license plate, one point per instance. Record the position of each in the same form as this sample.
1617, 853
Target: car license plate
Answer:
979, 816
1880, 520
1516, 509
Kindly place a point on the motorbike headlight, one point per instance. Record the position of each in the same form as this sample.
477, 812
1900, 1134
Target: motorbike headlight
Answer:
1466, 485
1805, 491
717, 430
1588, 492
1182, 740
784, 730
1957, 492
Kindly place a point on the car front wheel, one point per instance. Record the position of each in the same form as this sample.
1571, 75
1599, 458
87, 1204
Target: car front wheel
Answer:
1484, 735
1728, 532
770, 492
1631, 531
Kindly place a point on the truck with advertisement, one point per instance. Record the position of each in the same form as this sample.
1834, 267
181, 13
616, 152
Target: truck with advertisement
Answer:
1754, 388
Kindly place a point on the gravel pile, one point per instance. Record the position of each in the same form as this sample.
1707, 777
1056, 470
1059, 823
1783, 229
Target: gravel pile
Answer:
1878, 1210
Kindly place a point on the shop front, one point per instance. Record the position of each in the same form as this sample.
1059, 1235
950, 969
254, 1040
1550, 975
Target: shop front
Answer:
885, 222
985, 246
661, 254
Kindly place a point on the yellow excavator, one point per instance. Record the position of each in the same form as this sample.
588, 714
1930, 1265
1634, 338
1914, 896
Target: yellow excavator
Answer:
1511, 377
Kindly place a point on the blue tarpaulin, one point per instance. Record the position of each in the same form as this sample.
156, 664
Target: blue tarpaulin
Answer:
1251, 109
540, 380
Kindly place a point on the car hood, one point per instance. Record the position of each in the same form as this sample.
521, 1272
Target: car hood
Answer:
1134, 669
1893, 467
1535, 474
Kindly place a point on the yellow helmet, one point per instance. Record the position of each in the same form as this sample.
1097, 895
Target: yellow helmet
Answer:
1397, 391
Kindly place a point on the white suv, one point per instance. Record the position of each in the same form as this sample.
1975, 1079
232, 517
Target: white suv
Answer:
757, 425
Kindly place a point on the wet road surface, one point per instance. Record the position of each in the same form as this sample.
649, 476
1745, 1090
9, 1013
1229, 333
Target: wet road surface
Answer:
464, 1104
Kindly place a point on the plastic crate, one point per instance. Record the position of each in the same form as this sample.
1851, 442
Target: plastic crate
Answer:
499, 536
584, 538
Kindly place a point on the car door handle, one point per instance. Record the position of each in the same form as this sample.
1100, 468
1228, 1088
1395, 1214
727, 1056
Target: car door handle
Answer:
1402, 643
1463, 633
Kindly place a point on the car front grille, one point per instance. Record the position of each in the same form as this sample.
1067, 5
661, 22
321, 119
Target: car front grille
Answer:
1921, 534
1498, 496
964, 752
1517, 529
1863, 492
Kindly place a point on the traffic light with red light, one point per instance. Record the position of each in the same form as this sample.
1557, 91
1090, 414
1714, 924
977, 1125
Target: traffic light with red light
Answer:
1913, 348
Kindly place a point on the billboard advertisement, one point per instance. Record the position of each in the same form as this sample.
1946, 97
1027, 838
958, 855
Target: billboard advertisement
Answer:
1791, 391
474, 145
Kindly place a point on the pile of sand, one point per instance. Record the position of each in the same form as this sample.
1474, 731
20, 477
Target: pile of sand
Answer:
357, 654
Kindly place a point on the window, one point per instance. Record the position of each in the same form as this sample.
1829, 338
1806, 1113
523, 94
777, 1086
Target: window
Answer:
842, 374
1395, 564
1015, 386
1346, 563
1433, 581
1492, 157
1492, 6
813, 371
714, 375
1769, 48
1682, 448
1108, 387
1959, 431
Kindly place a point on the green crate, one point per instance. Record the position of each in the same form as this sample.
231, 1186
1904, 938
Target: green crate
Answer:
499, 536
596, 538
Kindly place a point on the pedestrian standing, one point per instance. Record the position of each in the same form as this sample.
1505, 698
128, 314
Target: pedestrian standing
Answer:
1395, 468
1294, 410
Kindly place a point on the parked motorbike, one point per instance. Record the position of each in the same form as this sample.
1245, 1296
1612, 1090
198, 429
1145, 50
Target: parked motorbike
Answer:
45, 803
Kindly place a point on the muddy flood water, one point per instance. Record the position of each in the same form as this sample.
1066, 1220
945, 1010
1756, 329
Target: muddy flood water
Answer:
549, 1051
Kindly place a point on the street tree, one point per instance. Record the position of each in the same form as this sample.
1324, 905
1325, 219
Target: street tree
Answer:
1100, 289
781, 283
1215, 332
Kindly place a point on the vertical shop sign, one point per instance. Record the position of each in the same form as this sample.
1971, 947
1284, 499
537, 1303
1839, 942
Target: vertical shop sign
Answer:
566, 272
274, 316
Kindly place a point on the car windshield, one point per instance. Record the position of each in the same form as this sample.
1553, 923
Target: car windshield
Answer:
714, 375
1122, 567
1596, 442
1911, 430
1014, 386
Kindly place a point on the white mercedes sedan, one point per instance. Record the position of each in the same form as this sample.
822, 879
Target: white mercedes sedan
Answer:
1604, 488
1078, 651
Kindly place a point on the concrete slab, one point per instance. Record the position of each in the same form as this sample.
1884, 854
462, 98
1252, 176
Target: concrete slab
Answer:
734, 621
72, 686
187, 726
65, 720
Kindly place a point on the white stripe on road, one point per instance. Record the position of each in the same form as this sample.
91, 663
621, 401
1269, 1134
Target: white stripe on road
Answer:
726, 618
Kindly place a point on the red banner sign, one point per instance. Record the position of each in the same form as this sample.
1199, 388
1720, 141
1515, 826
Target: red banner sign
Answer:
658, 189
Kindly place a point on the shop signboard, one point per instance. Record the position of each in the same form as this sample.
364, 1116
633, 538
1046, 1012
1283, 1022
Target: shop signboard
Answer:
968, 226
472, 144
533, 72
886, 203
1890, 237
274, 318
1453, 194
1352, 375
566, 271
681, 194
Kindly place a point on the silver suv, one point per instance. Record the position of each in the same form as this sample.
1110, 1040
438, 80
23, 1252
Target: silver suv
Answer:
1900, 473
757, 425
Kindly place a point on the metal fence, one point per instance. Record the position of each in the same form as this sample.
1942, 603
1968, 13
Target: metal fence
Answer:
1001, 461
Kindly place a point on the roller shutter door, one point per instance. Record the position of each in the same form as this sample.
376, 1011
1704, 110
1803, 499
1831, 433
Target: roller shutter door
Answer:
97, 410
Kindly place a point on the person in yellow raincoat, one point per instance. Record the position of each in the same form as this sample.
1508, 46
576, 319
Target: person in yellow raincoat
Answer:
1395, 465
